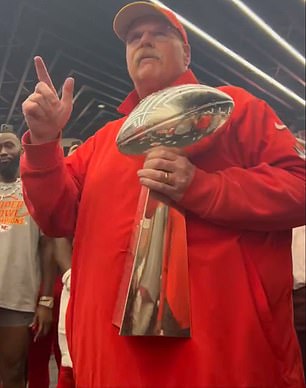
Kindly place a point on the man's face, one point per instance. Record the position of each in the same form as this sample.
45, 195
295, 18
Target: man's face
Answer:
155, 53
10, 150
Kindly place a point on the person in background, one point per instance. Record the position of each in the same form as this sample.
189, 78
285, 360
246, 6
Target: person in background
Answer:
299, 287
40, 351
241, 191
63, 254
25, 261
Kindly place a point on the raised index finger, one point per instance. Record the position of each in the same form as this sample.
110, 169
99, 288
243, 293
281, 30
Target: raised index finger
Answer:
42, 73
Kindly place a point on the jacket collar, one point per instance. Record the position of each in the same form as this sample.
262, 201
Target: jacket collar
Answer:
132, 100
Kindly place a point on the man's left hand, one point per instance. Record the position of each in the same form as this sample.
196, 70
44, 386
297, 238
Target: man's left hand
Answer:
42, 321
168, 172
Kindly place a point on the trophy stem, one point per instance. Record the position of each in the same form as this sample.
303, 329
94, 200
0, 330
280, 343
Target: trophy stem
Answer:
158, 273
154, 293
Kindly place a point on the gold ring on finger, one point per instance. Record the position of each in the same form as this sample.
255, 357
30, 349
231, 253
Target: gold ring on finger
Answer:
166, 177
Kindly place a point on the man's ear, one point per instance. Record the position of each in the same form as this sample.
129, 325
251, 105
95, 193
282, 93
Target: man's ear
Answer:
187, 55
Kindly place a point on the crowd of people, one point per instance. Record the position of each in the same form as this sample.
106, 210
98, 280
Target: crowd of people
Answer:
66, 224
30, 283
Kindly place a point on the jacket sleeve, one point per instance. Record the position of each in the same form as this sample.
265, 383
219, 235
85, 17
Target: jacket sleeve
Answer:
52, 184
265, 190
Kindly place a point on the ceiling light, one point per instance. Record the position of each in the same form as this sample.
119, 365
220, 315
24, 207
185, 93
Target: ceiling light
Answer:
235, 56
101, 106
265, 27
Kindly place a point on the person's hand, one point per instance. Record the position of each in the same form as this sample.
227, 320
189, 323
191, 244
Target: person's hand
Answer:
45, 114
168, 172
42, 321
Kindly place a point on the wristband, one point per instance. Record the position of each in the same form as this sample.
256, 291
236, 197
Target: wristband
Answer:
46, 301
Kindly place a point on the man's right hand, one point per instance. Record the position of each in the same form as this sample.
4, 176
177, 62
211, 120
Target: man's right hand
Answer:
45, 114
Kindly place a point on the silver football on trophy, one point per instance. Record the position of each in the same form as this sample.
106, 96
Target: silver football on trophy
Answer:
175, 117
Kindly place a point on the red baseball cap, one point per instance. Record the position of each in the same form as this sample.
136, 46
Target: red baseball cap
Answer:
129, 13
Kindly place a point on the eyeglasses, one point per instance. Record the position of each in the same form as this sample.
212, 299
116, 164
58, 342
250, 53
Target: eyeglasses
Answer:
161, 34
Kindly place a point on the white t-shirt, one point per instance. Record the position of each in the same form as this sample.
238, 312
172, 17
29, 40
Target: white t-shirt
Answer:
19, 262
298, 257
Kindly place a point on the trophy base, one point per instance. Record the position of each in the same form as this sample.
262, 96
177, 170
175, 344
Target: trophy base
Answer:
148, 325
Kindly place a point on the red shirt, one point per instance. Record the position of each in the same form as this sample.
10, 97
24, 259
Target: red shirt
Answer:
247, 193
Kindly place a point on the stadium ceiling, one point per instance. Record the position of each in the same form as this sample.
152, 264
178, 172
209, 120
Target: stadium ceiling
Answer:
76, 39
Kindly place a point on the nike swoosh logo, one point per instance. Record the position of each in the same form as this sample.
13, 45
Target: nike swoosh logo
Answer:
280, 126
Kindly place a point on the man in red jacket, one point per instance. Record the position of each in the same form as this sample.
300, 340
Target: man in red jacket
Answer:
25, 262
242, 190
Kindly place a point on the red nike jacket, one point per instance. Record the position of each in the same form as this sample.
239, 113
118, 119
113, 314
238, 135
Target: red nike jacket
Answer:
246, 195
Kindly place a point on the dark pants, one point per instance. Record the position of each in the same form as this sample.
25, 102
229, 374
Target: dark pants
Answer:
299, 303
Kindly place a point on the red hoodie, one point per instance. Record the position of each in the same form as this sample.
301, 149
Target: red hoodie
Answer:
246, 195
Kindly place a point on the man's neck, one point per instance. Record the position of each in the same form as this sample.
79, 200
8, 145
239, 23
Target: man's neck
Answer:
145, 89
4, 179
133, 98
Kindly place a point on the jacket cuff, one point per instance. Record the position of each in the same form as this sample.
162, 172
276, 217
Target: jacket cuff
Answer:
41, 156
200, 195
